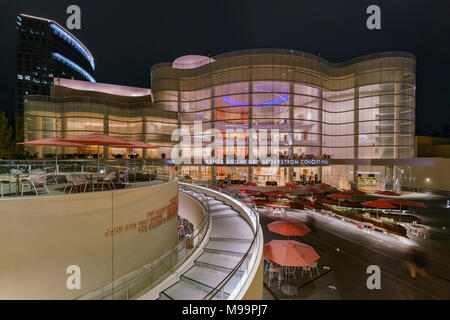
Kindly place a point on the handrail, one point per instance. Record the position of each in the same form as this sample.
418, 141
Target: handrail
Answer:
252, 209
222, 284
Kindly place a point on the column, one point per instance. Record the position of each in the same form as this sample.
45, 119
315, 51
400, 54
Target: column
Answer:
144, 136
213, 123
320, 130
356, 136
105, 131
250, 125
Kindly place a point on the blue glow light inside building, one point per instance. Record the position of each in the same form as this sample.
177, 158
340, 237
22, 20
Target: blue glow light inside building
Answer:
73, 65
74, 42
266, 103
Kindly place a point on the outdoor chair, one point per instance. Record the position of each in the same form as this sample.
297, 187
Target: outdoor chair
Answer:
35, 181
108, 180
307, 270
16, 172
275, 272
74, 182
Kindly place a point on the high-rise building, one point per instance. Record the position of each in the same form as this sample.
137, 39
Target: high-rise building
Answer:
46, 50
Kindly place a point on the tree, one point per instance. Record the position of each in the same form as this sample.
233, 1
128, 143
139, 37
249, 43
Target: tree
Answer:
6, 137
9, 149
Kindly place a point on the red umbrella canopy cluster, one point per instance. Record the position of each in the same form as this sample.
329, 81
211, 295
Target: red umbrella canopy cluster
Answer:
100, 139
52, 142
339, 196
311, 191
290, 253
252, 192
287, 228
275, 193
378, 204
404, 202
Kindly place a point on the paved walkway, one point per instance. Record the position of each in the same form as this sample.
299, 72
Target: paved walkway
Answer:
350, 251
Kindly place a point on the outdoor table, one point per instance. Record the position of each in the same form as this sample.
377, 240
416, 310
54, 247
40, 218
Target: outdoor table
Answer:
283, 207
19, 178
89, 176
420, 229
287, 289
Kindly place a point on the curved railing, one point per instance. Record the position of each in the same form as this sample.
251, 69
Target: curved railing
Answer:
247, 263
152, 274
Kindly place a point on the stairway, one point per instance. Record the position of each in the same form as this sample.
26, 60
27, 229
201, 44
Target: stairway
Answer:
229, 240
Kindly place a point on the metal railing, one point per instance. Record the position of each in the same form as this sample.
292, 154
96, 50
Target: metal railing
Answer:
139, 282
247, 262
54, 175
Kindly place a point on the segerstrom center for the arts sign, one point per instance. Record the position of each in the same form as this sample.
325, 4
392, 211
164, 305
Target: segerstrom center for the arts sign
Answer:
152, 219
280, 162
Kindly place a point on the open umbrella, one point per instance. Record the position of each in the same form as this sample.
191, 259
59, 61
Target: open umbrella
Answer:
339, 197
275, 193
287, 228
311, 191
378, 204
253, 192
52, 142
404, 202
290, 253
99, 139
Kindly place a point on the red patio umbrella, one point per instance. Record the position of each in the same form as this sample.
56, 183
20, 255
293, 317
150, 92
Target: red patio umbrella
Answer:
52, 142
404, 202
253, 192
100, 139
287, 228
290, 253
378, 204
275, 193
311, 191
388, 193
339, 196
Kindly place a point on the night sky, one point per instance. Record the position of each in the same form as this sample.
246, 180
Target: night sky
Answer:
128, 37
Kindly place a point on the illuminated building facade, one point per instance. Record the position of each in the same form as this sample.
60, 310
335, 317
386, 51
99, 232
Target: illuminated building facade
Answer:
348, 124
360, 109
46, 50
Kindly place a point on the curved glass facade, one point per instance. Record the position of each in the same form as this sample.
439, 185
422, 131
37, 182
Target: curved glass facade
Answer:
360, 109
